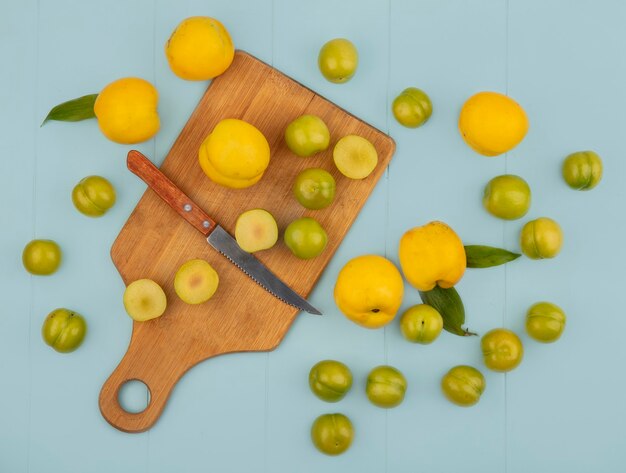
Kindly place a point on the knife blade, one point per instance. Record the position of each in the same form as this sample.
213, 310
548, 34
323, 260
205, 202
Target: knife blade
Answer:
215, 235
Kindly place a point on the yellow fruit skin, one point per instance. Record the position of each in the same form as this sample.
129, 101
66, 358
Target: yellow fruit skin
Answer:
127, 110
369, 290
432, 255
216, 177
235, 154
492, 123
200, 48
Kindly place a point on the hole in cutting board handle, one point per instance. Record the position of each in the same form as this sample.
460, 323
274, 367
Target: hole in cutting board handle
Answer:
134, 396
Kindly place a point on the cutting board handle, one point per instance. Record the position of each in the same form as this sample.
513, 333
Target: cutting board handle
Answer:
139, 364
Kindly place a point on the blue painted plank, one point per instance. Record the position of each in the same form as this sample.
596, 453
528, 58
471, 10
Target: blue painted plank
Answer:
565, 403
292, 407
451, 50
83, 47
18, 122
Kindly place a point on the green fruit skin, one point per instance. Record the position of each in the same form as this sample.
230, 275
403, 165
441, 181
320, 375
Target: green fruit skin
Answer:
314, 188
332, 434
507, 197
93, 196
421, 324
330, 380
582, 170
305, 237
42, 257
412, 108
307, 135
541, 238
338, 60
545, 322
463, 385
386, 387
502, 350
64, 330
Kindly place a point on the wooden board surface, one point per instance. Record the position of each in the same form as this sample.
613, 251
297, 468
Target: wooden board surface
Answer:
155, 241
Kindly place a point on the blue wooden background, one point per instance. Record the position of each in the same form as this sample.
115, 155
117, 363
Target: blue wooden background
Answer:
562, 410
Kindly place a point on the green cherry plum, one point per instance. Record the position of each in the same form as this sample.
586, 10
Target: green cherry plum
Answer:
41, 257
305, 237
338, 60
314, 188
64, 330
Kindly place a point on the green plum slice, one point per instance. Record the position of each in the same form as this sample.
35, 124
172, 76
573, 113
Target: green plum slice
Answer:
196, 281
144, 300
256, 230
355, 156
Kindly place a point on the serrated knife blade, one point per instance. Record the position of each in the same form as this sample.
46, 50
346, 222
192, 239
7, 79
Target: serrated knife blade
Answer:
215, 235
221, 240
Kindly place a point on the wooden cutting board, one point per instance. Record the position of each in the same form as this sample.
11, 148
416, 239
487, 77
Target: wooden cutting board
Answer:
155, 241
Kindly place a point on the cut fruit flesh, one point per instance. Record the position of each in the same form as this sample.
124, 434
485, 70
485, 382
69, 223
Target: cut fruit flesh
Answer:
355, 157
196, 281
144, 300
256, 230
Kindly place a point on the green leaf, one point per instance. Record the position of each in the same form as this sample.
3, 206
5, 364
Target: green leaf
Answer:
487, 256
449, 304
73, 110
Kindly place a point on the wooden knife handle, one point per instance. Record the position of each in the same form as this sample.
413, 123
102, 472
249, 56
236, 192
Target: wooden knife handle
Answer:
167, 190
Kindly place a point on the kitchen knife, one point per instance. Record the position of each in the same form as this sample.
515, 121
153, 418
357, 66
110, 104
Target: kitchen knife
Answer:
215, 235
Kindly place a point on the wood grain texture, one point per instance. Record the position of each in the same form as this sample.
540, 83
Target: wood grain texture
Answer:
141, 166
155, 241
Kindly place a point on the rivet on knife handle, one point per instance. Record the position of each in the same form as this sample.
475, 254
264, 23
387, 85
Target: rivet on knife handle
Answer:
159, 183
